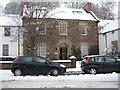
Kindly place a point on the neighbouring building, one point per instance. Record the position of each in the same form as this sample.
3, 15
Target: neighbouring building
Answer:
108, 36
69, 28
9, 27
119, 25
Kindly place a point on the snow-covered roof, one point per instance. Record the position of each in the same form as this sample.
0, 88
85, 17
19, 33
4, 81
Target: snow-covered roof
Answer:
74, 14
108, 25
10, 20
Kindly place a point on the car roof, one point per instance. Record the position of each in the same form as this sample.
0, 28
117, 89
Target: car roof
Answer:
95, 55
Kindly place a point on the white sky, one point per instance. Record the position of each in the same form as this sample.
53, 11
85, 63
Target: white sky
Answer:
4, 2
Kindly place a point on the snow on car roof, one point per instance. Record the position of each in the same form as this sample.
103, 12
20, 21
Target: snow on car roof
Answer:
95, 55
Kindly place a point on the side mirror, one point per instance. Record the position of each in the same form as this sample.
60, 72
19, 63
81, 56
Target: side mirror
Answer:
47, 62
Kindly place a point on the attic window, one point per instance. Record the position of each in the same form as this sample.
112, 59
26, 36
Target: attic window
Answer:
78, 12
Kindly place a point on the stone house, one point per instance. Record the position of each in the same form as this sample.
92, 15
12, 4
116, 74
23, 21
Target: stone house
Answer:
69, 28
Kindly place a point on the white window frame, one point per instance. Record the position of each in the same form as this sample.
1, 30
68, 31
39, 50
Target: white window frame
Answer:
84, 49
42, 50
83, 28
63, 29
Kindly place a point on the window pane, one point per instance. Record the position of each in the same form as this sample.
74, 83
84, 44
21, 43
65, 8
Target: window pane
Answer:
26, 59
83, 30
41, 29
84, 49
109, 59
37, 59
6, 31
63, 29
99, 59
42, 50
5, 50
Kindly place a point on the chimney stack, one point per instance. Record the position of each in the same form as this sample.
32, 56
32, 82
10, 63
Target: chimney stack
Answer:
87, 7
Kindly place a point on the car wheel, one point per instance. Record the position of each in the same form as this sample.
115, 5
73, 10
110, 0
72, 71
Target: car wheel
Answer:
93, 71
18, 72
54, 72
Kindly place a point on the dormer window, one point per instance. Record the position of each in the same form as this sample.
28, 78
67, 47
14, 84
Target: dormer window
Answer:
78, 12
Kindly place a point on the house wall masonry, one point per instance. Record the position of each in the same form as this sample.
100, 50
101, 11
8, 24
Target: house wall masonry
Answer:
52, 39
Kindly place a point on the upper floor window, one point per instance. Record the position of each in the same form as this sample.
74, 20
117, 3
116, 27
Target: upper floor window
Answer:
42, 50
63, 29
84, 49
7, 31
83, 29
41, 28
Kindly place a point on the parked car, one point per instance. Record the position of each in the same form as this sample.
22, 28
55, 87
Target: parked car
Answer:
36, 65
100, 64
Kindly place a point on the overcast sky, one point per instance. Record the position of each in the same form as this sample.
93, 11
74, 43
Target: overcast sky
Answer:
3, 2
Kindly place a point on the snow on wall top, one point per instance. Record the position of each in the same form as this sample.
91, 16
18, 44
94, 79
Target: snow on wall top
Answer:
10, 20
108, 25
74, 14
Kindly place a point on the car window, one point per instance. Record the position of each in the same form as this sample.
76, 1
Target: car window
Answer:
109, 59
99, 59
26, 59
38, 59
92, 59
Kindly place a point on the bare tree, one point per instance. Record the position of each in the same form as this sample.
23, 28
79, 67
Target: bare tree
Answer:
35, 15
104, 10
75, 3
1, 8
13, 8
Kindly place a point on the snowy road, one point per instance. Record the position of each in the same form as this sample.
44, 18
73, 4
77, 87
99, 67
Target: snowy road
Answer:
8, 80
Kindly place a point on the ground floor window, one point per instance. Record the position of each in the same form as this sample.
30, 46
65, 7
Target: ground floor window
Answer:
5, 50
84, 49
42, 50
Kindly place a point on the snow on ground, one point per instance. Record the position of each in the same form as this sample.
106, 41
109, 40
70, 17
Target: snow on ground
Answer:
8, 80
8, 76
70, 81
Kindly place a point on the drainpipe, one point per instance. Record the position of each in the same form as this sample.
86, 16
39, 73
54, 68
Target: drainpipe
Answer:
106, 43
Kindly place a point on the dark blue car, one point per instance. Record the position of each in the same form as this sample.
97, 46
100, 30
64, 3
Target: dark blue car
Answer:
36, 65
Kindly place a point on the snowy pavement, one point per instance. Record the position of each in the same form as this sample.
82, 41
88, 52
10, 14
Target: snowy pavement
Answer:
8, 80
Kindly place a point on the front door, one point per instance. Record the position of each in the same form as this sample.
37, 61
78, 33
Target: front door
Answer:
63, 51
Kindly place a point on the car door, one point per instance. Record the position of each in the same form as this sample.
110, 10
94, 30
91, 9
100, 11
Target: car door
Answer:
111, 64
117, 62
41, 66
100, 64
27, 65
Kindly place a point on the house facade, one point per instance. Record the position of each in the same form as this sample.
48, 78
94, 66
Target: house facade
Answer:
9, 36
71, 28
